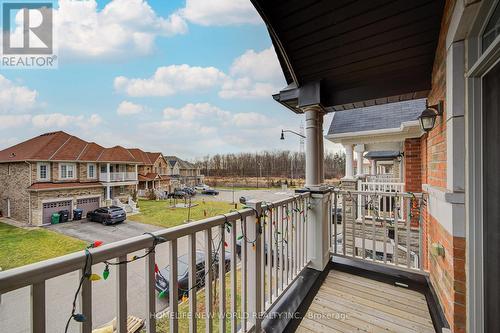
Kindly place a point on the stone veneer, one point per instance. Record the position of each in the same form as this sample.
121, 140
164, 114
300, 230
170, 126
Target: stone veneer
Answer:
38, 198
14, 181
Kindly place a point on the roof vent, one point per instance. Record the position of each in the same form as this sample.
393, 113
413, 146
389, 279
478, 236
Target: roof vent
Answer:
12, 154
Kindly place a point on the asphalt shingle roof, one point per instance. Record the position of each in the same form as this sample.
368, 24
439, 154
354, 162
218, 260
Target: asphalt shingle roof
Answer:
376, 117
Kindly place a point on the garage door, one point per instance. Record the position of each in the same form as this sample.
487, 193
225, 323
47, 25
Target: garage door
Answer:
87, 204
53, 207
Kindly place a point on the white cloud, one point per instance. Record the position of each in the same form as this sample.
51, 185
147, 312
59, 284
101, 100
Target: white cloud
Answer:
169, 80
122, 28
220, 12
127, 108
15, 98
260, 66
14, 121
250, 119
59, 120
254, 75
190, 112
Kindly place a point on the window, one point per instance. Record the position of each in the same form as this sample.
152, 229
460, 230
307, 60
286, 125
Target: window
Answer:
43, 171
492, 30
122, 189
66, 171
91, 170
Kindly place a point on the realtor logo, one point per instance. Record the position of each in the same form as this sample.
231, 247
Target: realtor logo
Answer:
27, 35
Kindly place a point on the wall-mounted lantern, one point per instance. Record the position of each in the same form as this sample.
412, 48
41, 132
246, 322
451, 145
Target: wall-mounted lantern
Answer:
428, 116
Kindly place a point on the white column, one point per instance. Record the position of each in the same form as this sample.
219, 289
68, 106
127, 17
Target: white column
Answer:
321, 150
348, 162
108, 173
373, 168
359, 149
108, 192
318, 251
314, 147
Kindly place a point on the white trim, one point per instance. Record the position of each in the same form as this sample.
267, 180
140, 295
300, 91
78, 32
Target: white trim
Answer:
38, 165
95, 170
447, 208
67, 165
409, 129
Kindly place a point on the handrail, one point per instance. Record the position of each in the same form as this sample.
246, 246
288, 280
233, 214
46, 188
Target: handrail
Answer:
277, 232
384, 228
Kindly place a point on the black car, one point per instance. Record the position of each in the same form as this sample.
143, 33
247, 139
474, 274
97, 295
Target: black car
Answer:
178, 194
210, 192
162, 283
107, 215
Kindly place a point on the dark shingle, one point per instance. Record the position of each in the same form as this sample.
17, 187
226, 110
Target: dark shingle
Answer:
376, 117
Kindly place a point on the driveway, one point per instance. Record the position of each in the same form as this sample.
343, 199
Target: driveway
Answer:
91, 231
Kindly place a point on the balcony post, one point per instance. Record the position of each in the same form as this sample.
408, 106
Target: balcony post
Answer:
348, 162
108, 172
314, 146
255, 273
135, 176
359, 149
373, 168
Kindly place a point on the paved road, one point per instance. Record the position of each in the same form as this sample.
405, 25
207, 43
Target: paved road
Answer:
15, 306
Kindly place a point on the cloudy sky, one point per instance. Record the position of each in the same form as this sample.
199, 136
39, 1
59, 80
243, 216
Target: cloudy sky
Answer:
190, 78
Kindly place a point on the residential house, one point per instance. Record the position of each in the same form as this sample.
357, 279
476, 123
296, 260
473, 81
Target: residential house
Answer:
152, 172
183, 173
56, 171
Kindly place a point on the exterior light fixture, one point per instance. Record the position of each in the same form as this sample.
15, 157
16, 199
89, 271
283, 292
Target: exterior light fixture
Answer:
428, 117
282, 137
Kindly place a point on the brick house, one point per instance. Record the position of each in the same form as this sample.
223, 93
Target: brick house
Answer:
152, 171
183, 173
56, 171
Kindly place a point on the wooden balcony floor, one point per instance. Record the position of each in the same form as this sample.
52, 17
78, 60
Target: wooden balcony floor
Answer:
351, 303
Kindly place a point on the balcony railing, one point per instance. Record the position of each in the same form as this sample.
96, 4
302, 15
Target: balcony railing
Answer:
117, 176
273, 253
378, 227
383, 178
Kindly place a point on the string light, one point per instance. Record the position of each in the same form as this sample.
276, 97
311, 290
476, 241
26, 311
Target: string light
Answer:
87, 274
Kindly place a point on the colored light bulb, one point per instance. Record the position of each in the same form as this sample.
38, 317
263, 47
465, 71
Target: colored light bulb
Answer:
94, 277
105, 273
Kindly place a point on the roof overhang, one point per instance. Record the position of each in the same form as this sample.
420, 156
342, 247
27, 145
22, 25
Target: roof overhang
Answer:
350, 54
410, 129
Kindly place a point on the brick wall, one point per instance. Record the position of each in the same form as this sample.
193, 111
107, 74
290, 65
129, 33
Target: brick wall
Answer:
447, 274
413, 165
14, 181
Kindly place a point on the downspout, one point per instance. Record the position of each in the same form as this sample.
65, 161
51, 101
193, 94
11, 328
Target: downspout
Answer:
29, 194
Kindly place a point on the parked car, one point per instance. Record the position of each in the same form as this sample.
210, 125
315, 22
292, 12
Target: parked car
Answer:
107, 215
189, 191
179, 194
201, 187
210, 192
162, 283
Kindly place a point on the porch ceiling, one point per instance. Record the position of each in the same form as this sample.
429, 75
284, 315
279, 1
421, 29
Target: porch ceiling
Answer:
354, 53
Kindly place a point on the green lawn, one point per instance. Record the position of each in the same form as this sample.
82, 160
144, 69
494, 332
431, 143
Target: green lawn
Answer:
159, 212
20, 246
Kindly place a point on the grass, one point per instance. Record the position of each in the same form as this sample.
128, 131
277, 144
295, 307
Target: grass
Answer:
159, 212
19, 247
162, 325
